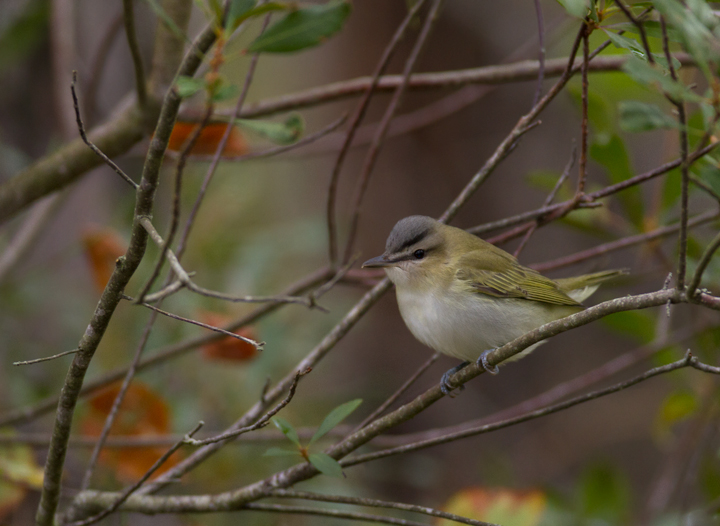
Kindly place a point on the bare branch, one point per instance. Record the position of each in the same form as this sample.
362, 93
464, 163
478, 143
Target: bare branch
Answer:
98, 152
47, 358
375, 503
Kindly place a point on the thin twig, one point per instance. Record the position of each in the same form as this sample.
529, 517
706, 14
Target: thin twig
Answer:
397, 394
190, 221
582, 175
98, 62
262, 422
132, 489
81, 128
323, 512
162, 355
511, 139
257, 345
618, 244
176, 200
28, 232
47, 358
702, 265
375, 503
548, 200
641, 29
382, 127
520, 71
355, 122
684, 166
277, 150
541, 51
184, 278
117, 402
415, 446
140, 83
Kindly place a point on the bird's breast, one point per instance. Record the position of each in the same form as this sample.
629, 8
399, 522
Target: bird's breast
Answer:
463, 325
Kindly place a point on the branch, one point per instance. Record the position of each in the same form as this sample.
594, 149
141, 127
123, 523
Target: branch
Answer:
525, 70
687, 361
161, 356
355, 122
382, 127
111, 296
129, 21
375, 503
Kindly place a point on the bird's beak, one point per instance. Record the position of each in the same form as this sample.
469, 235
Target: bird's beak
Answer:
380, 261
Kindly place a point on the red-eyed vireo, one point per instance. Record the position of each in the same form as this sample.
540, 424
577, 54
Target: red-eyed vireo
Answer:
464, 297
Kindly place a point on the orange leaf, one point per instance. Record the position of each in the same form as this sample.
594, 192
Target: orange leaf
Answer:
228, 348
209, 139
497, 505
142, 413
102, 248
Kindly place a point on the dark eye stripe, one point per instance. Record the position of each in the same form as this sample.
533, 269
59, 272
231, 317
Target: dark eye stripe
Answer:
419, 237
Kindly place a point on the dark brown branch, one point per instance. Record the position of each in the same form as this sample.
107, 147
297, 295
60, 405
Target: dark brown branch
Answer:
382, 128
140, 83
98, 152
357, 117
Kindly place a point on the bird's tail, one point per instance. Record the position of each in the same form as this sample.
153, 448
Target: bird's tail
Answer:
582, 287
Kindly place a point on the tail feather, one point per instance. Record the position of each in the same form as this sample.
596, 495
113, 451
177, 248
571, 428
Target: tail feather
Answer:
582, 287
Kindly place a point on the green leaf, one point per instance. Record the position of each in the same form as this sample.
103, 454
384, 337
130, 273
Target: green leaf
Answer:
709, 172
652, 75
695, 22
280, 452
287, 429
237, 9
286, 132
613, 156
576, 8
335, 416
240, 17
636, 116
326, 464
225, 92
623, 42
303, 28
188, 86
652, 29
636, 324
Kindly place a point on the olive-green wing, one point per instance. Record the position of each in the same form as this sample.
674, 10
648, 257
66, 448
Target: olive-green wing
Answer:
499, 275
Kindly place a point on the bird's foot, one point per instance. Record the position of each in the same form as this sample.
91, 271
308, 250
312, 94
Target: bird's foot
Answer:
445, 386
483, 362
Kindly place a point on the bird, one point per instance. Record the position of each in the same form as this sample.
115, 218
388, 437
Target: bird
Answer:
465, 297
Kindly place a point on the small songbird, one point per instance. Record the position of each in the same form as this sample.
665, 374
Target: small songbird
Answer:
464, 297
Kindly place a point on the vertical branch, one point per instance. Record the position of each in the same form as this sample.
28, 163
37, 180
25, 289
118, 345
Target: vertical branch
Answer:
522, 126
584, 123
175, 216
129, 21
110, 420
541, 51
112, 295
684, 167
220, 148
355, 123
382, 128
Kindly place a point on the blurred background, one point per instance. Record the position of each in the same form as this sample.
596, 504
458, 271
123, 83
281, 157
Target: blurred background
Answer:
639, 456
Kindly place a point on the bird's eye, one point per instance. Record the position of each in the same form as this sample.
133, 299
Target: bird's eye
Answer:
419, 254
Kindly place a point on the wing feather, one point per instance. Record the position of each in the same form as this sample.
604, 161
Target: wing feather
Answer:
499, 275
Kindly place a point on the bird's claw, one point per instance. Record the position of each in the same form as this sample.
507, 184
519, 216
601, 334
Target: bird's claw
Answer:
445, 386
482, 361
